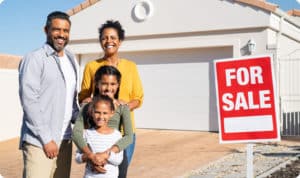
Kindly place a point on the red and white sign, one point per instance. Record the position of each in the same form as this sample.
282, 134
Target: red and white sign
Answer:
247, 108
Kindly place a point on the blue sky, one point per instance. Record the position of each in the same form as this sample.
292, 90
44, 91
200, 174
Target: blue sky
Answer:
22, 22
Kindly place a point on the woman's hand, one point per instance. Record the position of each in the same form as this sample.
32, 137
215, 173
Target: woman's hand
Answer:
99, 160
102, 157
86, 100
132, 104
122, 102
99, 168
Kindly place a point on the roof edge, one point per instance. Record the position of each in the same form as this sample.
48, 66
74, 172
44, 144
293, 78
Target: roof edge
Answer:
261, 4
8, 61
273, 8
81, 6
294, 12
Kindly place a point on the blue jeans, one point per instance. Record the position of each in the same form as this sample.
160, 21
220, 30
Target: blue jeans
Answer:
130, 149
123, 167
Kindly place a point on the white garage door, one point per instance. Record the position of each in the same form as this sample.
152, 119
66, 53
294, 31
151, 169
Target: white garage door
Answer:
179, 88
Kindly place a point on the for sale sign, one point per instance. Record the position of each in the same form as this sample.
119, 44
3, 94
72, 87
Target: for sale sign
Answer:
247, 108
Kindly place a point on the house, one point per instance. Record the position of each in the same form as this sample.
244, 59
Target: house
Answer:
174, 44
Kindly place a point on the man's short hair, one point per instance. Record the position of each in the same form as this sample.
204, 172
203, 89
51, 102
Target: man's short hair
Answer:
57, 15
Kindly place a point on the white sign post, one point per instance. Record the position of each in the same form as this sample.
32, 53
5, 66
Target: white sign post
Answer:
250, 160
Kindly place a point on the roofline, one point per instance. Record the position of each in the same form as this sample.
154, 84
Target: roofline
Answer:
294, 12
81, 6
273, 8
8, 61
261, 4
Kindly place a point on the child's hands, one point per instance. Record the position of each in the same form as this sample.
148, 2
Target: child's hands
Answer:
93, 158
100, 159
99, 168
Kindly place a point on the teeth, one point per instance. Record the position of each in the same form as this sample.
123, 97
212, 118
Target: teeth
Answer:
60, 40
109, 46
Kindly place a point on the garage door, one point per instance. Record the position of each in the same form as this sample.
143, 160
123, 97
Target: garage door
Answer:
179, 88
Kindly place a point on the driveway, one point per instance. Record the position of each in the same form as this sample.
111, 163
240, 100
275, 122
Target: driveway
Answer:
158, 153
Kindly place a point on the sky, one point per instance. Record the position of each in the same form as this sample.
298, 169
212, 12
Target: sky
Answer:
22, 22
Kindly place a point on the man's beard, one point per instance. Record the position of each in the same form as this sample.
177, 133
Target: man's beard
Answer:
57, 47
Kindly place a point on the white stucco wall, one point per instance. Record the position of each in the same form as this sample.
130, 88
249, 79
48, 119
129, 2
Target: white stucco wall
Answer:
11, 111
168, 17
289, 48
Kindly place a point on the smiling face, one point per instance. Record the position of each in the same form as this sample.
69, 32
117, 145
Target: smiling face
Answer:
108, 85
110, 41
102, 113
58, 34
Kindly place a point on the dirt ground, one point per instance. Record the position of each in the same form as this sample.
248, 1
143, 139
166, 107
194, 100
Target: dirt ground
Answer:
158, 153
291, 170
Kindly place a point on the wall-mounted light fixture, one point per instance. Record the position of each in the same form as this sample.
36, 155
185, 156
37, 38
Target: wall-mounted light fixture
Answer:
251, 46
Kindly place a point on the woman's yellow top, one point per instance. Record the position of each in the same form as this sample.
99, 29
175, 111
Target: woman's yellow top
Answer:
130, 87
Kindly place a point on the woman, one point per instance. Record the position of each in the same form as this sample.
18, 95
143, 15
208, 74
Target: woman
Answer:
107, 82
111, 35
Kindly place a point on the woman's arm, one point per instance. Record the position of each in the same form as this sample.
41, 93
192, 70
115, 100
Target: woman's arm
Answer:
133, 104
137, 90
80, 157
77, 134
127, 138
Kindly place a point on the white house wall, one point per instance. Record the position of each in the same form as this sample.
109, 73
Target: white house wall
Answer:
11, 111
284, 35
289, 48
169, 17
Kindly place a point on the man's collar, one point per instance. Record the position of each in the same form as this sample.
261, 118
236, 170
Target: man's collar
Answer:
49, 50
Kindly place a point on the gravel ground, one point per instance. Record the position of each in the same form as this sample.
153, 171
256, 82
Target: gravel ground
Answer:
268, 158
291, 170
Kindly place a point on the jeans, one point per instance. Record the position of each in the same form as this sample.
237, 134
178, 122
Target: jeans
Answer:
123, 167
130, 149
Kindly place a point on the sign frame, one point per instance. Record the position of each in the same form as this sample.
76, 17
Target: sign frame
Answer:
249, 136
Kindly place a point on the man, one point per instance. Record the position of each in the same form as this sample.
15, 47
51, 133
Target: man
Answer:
48, 93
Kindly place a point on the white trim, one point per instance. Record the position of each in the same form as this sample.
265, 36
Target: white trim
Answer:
161, 44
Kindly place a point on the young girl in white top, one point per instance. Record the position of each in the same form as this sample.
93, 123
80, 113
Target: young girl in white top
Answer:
100, 137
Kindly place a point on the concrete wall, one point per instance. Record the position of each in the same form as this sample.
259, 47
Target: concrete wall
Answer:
11, 111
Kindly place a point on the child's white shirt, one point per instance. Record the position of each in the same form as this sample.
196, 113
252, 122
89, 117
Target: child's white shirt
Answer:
99, 143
